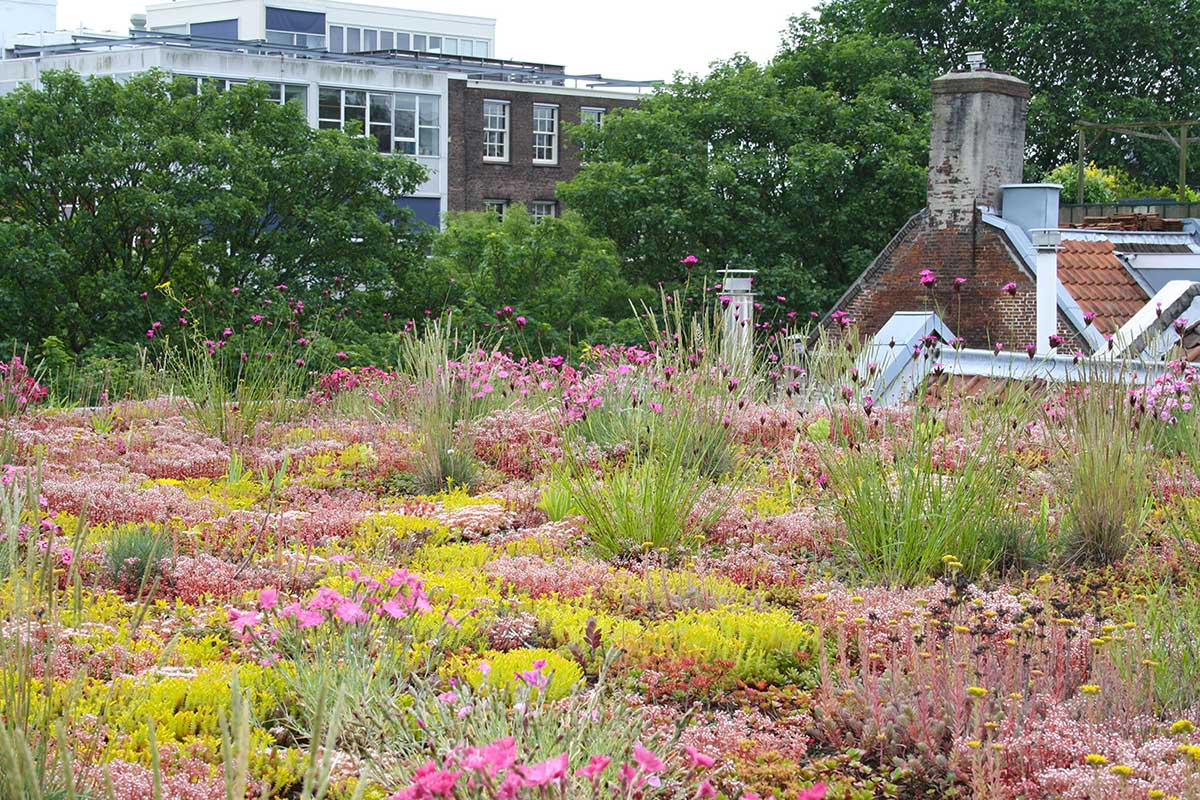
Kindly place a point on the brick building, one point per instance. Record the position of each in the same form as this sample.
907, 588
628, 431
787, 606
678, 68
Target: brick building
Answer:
983, 226
425, 85
508, 142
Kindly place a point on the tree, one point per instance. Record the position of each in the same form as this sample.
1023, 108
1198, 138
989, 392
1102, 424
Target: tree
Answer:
802, 168
545, 285
109, 189
1102, 60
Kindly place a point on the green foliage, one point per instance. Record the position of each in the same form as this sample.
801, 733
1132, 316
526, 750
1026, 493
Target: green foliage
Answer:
760, 645
1056, 47
504, 673
1161, 655
111, 187
802, 168
1108, 466
907, 511
565, 282
133, 555
1108, 185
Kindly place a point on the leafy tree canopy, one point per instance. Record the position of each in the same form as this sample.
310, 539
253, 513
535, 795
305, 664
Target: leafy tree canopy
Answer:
110, 188
802, 168
539, 286
1099, 60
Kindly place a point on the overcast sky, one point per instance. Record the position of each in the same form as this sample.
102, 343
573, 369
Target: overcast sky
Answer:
635, 39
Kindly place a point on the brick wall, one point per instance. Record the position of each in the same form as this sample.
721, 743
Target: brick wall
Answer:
471, 180
982, 312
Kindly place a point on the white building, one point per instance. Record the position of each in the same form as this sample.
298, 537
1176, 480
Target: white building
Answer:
385, 71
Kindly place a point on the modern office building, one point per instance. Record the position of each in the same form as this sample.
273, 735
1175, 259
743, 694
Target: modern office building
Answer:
424, 85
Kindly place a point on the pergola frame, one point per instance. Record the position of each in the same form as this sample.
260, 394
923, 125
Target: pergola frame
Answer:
1164, 133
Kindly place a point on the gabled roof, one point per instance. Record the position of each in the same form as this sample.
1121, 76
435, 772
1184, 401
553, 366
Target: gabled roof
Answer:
1100, 283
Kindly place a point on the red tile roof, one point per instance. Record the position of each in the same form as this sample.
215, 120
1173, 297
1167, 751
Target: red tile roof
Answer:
1099, 282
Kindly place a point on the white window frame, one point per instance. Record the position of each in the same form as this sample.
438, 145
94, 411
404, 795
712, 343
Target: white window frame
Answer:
545, 138
400, 142
592, 115
543, 209
496, 206
497, 139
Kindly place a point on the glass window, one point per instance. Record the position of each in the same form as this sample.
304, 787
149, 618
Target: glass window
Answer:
545, 134
435, 44
428, 124
399, 122
281, 37
495, 130
540, 209
419, 42
353, 40
370, 40
481, 48
337, 38
495, 206
450, 47
402, 42
386, 40
296, 94
594, 116
405, 122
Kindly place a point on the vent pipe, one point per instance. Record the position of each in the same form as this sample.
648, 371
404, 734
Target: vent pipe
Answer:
1046, 243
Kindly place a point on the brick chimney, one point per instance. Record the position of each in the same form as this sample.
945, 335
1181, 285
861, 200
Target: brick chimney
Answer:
977, 142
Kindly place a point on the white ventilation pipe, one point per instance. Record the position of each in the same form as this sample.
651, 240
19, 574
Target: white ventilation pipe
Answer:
1046, 242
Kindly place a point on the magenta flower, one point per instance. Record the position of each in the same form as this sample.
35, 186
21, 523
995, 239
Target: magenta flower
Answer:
1056, 340
698, 759
1011, 288
268, 597
1030, 349
689, 261
552, 769
647, 760
815, 792
1089, 317
594, 767
350, 612
521, 321
927, 277
958, 284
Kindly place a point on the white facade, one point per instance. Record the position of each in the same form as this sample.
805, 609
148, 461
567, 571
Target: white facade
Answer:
25, 16
340, 27
304, 79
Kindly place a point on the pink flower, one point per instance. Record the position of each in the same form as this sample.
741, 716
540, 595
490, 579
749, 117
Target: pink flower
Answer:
434, 781
268, 597
350, 612
552, 769
689, 261
927, 277
647, 760
958, 284
521, 322
594, 767
1011, 288
485, 668
697, 758
241, 620
1089, 317
705, 790
815, 792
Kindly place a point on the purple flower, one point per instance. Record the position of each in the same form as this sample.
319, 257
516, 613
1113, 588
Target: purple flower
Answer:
927, 277
1056, 340
1011, 288
1089, 317
958, 284
1030, 349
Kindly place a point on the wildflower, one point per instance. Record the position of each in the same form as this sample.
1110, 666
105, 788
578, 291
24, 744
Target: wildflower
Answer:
815, 792
689, 261
241, 620
1030, 349
1089, 688
521, 321
958, 284
647, 760
1089, 317
977, 691
1121, 769
1056, 340
485, 668
350, 612
698, 759
974, 744
705, 790
594, 767
268, 597
1095, 759
1183, 726
552, 769
927, 277
1011, 288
